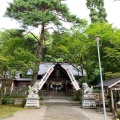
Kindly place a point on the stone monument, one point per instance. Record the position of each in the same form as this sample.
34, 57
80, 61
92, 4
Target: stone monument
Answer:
33, 99
88, 100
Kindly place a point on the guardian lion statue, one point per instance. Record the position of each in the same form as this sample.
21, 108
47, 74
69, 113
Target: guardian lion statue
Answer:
32, 90
87, 89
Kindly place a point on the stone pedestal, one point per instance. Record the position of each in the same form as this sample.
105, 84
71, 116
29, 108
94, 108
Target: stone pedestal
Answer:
88, 101
32, 103
33, 100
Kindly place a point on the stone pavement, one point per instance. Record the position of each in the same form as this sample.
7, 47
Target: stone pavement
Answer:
62, 112
58, 112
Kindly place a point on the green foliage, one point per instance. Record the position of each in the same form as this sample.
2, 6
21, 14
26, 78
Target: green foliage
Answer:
40, 13
16, 50
109, 49
34, 13
97, 10
58, 49
0, 92
15, 55
74, 47
118, 114
7, 100
110, 75
1, 96
78, 46
76, 96
20, 93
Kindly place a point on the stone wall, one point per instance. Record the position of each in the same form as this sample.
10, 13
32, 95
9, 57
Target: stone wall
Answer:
19, 101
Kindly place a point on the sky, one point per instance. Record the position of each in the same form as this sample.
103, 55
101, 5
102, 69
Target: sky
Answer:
77, 7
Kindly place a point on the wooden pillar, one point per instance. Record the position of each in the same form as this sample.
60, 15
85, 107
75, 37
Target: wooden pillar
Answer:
99, 99
66, 90
12, 86
112, 102
47, 88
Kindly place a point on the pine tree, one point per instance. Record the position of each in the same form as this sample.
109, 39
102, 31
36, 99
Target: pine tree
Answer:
41, 13
97, 10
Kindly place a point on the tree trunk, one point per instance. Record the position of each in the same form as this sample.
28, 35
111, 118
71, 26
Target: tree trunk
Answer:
38, 56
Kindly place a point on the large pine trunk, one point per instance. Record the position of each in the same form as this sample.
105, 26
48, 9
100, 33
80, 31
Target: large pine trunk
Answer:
38, 56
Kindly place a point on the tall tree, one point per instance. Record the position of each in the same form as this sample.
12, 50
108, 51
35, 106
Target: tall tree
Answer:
97, 10
41, 13
109, 45
17, 49
14, 55
79, 47
75, 48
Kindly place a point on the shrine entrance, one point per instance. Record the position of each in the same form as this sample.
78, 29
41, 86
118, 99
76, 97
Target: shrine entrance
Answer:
56, 89
58, 83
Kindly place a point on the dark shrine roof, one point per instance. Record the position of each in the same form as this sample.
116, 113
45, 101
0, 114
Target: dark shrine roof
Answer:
109, 83
45, 66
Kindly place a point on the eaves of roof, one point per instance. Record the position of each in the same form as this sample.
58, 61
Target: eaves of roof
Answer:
109, 83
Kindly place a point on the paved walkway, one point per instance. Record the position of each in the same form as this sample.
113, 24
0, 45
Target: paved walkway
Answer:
58, 112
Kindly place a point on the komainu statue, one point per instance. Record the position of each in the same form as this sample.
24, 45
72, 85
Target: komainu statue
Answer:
32, 90
87, 89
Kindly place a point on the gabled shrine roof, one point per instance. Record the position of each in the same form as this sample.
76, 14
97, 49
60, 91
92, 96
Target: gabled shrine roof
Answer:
45, 66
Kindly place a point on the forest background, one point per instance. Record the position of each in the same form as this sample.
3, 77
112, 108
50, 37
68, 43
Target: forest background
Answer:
21, 49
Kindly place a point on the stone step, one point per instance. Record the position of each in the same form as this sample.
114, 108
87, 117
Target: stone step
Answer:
53, 93
60, 102
56, 97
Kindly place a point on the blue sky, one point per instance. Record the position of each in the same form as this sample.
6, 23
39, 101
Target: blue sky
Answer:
77, 7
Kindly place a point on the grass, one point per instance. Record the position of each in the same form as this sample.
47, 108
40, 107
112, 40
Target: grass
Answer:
7, 111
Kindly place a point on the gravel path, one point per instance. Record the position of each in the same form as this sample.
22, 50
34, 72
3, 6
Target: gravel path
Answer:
58, 112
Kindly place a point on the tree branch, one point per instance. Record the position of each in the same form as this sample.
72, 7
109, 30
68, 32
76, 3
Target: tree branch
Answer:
32, 34
50, 28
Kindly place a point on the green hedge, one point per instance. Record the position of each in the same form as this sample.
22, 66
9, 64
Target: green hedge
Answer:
7, 100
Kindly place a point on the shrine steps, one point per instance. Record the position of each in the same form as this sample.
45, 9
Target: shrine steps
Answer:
55, 100
53, 93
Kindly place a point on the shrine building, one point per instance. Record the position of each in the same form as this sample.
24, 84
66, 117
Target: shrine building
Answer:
59, 82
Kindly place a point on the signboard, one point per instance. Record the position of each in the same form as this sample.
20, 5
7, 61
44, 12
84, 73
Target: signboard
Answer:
74, 82
45, 77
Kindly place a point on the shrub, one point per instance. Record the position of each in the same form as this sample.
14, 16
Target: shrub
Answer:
76, 96
7, 100
118, 114
0, 96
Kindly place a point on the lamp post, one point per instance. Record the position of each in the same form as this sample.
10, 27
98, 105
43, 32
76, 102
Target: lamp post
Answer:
97, 38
